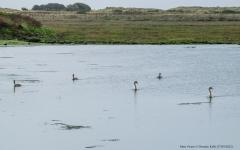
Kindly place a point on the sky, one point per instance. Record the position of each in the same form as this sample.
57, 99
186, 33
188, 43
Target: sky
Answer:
101, 4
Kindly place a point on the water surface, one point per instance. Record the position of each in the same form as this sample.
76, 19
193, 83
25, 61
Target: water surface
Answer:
102, 111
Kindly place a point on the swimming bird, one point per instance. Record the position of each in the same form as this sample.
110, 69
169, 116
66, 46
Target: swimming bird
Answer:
210, 94
16, 85
74, 78
135, 87
159, 77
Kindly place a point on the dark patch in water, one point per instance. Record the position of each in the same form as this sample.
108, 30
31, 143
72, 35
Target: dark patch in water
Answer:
111, 117
6, 57
30, 81
197, 103
93, 64
111, 140
56, 120
94, 146
71, 127
13, 75
63, 53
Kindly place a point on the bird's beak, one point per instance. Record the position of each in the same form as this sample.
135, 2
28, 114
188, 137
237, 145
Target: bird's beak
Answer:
136, 82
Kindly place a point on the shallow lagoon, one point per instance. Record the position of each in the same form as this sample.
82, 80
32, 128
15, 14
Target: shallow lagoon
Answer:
102, 111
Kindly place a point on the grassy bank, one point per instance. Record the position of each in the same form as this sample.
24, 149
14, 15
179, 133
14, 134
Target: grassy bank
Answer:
14, 42
142, 32
139, 31
15, 26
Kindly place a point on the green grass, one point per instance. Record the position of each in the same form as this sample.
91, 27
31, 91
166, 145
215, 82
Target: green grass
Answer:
143, 32
14, 42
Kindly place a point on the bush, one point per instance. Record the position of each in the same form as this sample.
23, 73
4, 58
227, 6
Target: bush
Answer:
24, 8
50, 6
77, 7
117, 11
228, 11
81, 12
33, 40
155, 10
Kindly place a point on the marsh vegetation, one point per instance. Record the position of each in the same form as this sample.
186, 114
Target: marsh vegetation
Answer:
118, 25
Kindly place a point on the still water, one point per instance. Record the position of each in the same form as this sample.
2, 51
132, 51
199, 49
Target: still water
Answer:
102, 111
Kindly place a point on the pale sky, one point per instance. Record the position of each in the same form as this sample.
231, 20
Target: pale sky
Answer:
101, 4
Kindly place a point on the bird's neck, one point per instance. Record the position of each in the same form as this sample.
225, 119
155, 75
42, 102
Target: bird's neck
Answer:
210, 92
135, 86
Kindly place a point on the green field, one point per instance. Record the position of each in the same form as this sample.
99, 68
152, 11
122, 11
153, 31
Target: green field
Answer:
142, 32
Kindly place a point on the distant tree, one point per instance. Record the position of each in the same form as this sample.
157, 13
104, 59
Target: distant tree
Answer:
51, 6
36, 7
77, 7
24, 8
72, 8
55, 6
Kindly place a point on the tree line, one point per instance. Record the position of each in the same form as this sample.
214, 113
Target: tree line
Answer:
58, 7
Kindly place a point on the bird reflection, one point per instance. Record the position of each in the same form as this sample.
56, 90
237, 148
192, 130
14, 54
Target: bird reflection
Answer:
210, 101
135, 98
135, 104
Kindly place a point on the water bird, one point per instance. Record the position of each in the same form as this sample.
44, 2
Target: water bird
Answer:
159, 77
210, 93
74, 78
135, 87
16, 85
5, 44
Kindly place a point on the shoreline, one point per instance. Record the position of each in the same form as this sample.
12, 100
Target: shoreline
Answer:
13, 42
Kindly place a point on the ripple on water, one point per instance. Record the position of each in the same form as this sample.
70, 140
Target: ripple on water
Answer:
111, 140
64, 53
30, 81
15, 75
45, 71
93, 64
41, 64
